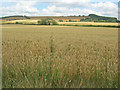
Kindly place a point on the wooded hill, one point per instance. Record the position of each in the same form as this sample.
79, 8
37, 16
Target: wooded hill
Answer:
89, 18
96, 18
16, 17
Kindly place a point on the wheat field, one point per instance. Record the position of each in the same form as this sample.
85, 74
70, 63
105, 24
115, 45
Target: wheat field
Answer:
65, 23
21, 21
89, 23
59, 57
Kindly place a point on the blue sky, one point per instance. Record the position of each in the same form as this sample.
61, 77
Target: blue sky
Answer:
59, 7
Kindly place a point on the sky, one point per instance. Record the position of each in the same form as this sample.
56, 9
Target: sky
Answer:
59, 7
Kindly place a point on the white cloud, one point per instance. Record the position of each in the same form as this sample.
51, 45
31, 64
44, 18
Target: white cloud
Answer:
63, 0
54, 10
70, 7
21, 8
71, 3
62, 7
106, 8
74, 1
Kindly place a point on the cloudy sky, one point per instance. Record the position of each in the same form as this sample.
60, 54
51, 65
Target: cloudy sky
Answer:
59, 7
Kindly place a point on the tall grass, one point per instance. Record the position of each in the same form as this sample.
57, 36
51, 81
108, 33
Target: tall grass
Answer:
86, 65
29, 62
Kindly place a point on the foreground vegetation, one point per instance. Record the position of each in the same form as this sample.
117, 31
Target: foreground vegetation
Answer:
59, 57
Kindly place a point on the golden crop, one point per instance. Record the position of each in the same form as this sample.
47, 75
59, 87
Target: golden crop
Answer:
59, 57
89, 23
66, 23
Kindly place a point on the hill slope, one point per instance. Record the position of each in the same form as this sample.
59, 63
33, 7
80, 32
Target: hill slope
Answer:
96, 18
89, 18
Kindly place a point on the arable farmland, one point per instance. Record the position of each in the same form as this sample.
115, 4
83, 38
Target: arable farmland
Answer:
64, 23
89, 23
36, 56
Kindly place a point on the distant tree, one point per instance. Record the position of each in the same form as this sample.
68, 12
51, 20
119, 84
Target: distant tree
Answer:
42, 22
47, 21
60, 20
16, 22
70, 20
26, 17
54, 22
39, 22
